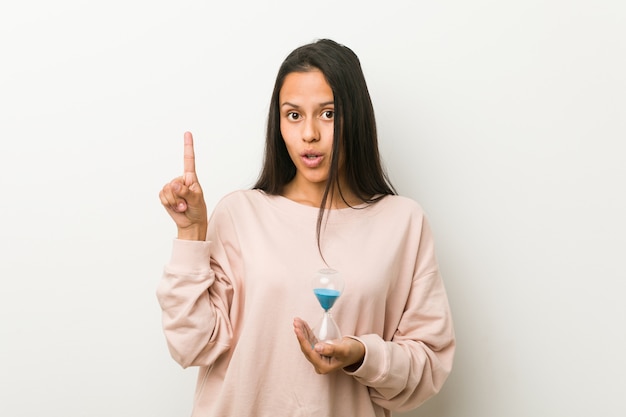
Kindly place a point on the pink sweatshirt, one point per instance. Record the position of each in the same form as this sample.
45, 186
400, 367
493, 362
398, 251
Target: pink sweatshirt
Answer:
228, 307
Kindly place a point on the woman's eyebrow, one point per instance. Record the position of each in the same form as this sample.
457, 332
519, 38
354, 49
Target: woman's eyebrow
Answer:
324, 104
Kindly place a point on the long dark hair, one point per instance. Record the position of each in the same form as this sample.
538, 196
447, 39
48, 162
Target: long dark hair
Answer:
355, 137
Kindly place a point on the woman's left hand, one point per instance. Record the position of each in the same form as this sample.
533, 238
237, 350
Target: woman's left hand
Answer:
326, 357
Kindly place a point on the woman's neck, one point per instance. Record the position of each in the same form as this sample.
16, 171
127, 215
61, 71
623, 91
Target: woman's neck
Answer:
313, 194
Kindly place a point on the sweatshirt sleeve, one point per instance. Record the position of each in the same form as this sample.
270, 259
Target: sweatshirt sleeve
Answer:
194, 305
405, 371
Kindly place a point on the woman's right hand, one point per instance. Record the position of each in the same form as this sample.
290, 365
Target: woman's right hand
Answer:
183, 199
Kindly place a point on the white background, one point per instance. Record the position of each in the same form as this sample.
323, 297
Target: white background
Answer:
505, 120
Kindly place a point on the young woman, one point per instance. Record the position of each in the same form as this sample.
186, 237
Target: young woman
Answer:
237, 297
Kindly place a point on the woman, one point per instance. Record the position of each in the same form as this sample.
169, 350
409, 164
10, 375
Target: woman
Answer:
234, 283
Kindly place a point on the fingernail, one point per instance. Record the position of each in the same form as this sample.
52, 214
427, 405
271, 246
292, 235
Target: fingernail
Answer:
181, 206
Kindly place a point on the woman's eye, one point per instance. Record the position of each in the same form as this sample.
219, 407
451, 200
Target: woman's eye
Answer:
328, 114
293, 116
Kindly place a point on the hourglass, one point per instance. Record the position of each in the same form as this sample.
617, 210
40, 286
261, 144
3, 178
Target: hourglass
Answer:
327, 287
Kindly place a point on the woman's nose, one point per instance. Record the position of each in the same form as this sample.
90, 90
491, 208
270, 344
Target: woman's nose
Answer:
310, 133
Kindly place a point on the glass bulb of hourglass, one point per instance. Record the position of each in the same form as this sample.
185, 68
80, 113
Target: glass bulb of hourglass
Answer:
327, 287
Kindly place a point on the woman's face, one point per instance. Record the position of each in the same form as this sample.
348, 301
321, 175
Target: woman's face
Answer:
307, 113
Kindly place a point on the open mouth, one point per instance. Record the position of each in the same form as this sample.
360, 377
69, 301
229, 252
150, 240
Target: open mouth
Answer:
312, 160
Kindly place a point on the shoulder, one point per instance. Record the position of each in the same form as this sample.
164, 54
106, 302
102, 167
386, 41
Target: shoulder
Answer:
237, 203
246, 202
397, 205
235, 210
395, 211
239, 197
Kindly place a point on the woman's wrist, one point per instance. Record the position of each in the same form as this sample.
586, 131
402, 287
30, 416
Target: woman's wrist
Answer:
359, 352
354, 366
195, 232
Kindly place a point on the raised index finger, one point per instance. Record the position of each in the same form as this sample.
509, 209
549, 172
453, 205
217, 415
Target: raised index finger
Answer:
189, 167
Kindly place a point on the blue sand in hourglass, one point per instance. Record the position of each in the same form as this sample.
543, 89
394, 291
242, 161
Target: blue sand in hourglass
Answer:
326, 297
